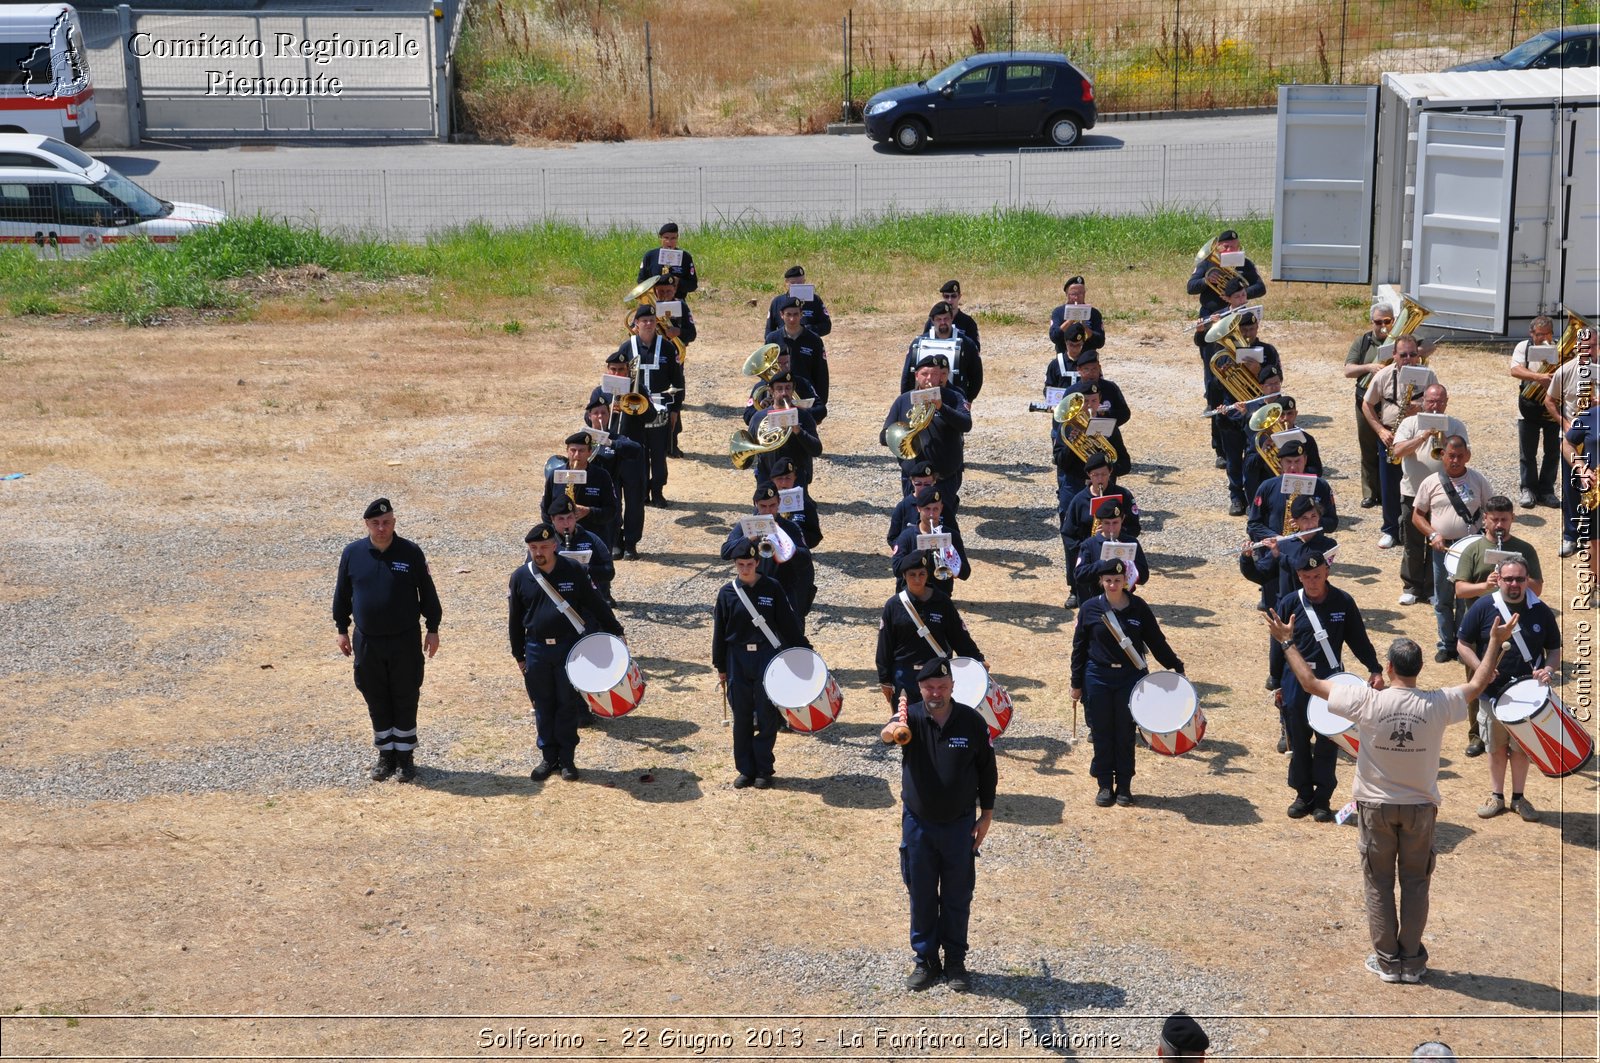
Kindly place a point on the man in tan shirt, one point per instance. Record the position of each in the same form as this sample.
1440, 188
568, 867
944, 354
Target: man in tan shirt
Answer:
1415, 448
1386, 404
1401, 731
1571, 392
1449, 506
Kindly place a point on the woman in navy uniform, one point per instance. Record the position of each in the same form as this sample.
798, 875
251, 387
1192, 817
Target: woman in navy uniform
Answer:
542, 636
931, 515
741, 648
1085, 573
1104, 672
902, 648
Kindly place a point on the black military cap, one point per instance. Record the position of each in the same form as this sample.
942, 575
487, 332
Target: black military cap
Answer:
1070, 281
644, 312
1292, 449
791, 302
601, 403
950, 288
580, 439
912, 559
744, 548
1096, 460
1086, 357
1287, 402
1227, 234
794, 273
542, 532
616, 358
1075, 332
783, 467
1184, 1035
1113, 567
929, 495
667, 278
933, 361
560, 504
938, 668
377, 508
784, 377
1110, 511
764, 490
670, 227
1246, 319
1312, 560
1304, 504
923, 469
941, 307
1237, 284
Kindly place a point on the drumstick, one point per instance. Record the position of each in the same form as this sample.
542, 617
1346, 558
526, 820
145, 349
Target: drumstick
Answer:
724, 685
1074, 732
897, 732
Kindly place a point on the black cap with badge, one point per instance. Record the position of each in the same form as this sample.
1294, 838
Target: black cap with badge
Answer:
938, 668
542, 532
1313, 559
377, 508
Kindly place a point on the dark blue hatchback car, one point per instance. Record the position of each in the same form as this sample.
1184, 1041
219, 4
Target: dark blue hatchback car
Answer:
992, 96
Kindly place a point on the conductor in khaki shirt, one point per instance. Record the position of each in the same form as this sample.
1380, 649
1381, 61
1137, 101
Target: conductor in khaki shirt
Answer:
1401, 731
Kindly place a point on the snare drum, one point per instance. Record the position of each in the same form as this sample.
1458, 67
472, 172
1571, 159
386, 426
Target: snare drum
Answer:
1167, 711
1555, 742
800, 686
1340, 731
1452, 556
600, 668
976, 687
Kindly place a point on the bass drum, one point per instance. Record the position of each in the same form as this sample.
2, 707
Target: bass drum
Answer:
600, 668
800, 687
1544, 728
1167, 710
976, 687
1338, 730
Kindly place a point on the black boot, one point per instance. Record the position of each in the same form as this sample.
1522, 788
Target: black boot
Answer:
407, 766
385, 766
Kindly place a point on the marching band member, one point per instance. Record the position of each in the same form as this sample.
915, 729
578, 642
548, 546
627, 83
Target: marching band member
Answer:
905, 511
1537, 479
931, 518
1062, 370
1358, 366
1584, 431
1414, 448
804, 518
752, 622
790, 563
1102, 399
623, 459
947, 784
1115, 631
950, 292
807, 355
1449, 506
682, 328
1234, 298
572, 537
1332, 621
1266, 516
651, 266
1384, 407
552, 605
1085, 571
1571, 392
919, 624
1534, 652
660, 377
803, 443
813, 314
1273, 566
942, 443
1206, 278
1077, 524
1230, 430
1475, 575
595, 500
966, 371
1256, 469
805, 392
1094, 328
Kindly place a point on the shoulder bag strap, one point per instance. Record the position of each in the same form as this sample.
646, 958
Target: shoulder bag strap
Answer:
1320, 633
560, 603
922, 629
755, 617
1122, 639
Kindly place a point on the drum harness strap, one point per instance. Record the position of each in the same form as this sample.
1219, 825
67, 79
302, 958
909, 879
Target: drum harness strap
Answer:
1123, 640
1320, 633
922, 629
1516, 636
1454, 497
759, 620
555, 597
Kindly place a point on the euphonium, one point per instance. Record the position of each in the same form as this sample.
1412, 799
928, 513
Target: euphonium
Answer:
1412, 314
1213, 262
1072, 415
1534, 390
635, 403
743, 448
1264, 422
902, 435
1240, 381
644, 294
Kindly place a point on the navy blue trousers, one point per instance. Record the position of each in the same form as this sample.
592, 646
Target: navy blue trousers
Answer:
755, 721
1111, 728
557, 708
1312, 758
939, 870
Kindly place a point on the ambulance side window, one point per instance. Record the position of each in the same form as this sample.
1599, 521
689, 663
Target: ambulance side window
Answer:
85, 205
27, 204
20, 63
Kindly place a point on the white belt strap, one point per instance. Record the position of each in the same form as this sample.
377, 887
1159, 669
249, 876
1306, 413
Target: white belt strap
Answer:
922, 629
759, 620
1516, 636
1320, 633
555, 596
1123, 640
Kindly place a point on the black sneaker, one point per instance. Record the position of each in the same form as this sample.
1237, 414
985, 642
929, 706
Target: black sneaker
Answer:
1104, 797
1369, 503
1072, 601
1299, 808
741, 781
955, 974
923, 975
632, 553
763, 782
1443, 656
384, 767
1222, 462
542, 771
1322, 814
570, 773
408, 767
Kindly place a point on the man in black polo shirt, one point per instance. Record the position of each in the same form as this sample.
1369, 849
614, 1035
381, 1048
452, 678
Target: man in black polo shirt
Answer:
384, 582
948, 767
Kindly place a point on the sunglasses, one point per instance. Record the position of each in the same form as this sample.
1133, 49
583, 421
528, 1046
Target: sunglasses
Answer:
1383, 321
1513, 579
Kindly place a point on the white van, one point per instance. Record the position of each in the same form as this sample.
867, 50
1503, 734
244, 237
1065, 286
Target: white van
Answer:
44, 75
57, 198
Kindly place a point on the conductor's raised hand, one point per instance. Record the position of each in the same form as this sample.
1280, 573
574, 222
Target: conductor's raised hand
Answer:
1280, 629
1502, 630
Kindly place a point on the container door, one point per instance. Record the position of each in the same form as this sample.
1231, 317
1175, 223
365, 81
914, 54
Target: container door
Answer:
1327, 147
1461, 239
1580, 247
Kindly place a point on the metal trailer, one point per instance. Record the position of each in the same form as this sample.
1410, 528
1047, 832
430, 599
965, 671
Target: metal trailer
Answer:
1476, 194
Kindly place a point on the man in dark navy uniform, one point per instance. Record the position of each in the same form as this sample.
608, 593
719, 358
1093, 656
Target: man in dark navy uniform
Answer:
966, 367
660, 377
950, 293
795, 572
808, 355
594, 500
575, 539
651, 266
803, 444
947, 783
1206, 278
813, 313
805, 518
1094, 329
384, 583
623, 460
918, 624
942, 443
905, 511
1268, 512
931, 519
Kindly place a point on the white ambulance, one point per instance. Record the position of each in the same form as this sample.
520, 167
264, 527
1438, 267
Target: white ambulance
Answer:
44, 73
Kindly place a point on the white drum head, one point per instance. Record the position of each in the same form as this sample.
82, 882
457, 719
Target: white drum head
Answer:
1452, 556
1162, 702
1521, 701
1323, 721
597, 663
794, 678
971, 680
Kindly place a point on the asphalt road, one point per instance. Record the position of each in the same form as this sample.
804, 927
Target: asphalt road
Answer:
411, 189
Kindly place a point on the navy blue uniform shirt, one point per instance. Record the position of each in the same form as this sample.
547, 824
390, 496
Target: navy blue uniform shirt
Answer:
946, 771
533, 617
735, 634
899, 645
1093, 639
386, 591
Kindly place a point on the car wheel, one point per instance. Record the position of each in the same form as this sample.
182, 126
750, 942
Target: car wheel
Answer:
910, 136
1064, 130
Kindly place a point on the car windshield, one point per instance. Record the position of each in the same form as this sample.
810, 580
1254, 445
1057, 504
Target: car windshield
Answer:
1527, 51
949, 74
137, 199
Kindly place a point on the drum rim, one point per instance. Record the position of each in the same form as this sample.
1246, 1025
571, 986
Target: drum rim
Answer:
1193, 693
959, 665
603, 636
1548, 701
822, 687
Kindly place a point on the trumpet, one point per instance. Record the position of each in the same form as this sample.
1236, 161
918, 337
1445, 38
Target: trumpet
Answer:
765, 547
1264, 422
901, 437
1072, 414
1213, 261
1534, 390
1436, 450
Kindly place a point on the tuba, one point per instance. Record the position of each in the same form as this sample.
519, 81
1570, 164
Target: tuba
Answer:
1533, 390
1412, 314
1264, 422
1212, 261
901, 436
1240, 381
644, 294
1072, 415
